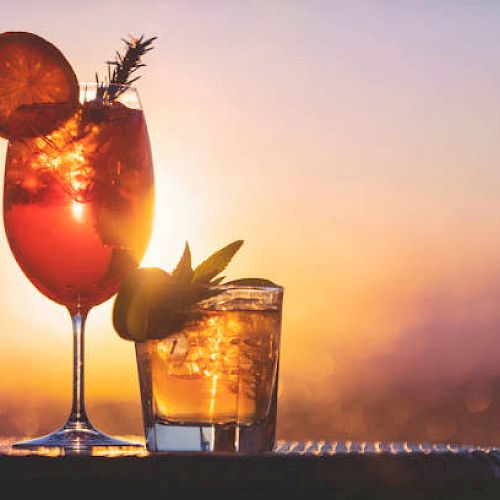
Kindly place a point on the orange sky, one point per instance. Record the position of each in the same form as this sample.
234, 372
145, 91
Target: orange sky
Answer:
353, 145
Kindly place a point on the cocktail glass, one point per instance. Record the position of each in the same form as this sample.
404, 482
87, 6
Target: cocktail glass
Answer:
213, 385
78, 209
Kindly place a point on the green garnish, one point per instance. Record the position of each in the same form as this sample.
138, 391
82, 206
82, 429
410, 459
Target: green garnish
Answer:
152, 303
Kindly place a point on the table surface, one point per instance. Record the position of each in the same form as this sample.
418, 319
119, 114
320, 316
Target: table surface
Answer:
351, 469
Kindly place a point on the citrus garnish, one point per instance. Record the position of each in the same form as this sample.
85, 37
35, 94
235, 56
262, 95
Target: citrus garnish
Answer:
153, 304
38, 87
135, 299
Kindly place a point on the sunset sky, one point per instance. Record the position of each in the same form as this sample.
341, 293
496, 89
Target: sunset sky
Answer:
353, 145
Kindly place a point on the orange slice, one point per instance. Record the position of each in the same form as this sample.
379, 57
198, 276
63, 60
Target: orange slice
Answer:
33, 73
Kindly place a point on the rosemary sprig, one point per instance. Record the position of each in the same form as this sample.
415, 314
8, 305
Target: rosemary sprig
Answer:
124, 67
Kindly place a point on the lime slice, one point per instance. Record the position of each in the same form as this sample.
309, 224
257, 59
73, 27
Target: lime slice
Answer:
134, 301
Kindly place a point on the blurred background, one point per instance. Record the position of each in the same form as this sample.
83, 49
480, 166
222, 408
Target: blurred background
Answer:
354, 146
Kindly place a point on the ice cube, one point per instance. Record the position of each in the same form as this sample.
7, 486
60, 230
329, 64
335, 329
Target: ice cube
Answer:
174, 348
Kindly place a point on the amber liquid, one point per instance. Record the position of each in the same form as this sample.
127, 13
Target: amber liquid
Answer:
220, 371
78, 204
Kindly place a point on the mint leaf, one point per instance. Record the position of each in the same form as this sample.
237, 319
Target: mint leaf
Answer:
217, 281
176, 310
215, 264
183, 273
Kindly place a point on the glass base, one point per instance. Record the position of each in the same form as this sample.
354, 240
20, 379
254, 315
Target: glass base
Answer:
75, 440
254, 438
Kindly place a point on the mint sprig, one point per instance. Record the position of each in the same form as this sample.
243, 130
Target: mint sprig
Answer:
152, 304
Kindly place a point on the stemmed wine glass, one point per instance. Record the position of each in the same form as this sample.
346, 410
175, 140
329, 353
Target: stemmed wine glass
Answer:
78, 210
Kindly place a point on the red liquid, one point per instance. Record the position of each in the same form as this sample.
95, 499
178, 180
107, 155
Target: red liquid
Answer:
78, 204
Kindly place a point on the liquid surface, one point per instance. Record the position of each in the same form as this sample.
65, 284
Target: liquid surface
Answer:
78, 203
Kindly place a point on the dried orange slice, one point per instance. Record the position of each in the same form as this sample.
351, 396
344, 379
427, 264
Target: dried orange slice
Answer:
33, 73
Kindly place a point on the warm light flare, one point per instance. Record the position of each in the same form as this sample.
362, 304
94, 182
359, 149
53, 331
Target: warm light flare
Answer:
77, 209
176, 216
213, 394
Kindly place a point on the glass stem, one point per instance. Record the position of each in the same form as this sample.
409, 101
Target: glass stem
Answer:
78, 417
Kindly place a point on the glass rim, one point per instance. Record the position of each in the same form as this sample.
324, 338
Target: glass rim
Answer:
226, 297
95, 84
264, 288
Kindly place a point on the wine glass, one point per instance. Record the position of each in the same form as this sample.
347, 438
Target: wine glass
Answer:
78, 210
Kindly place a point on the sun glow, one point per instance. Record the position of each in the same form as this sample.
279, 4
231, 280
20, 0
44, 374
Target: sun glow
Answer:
77, 209
373, 201
175, 219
